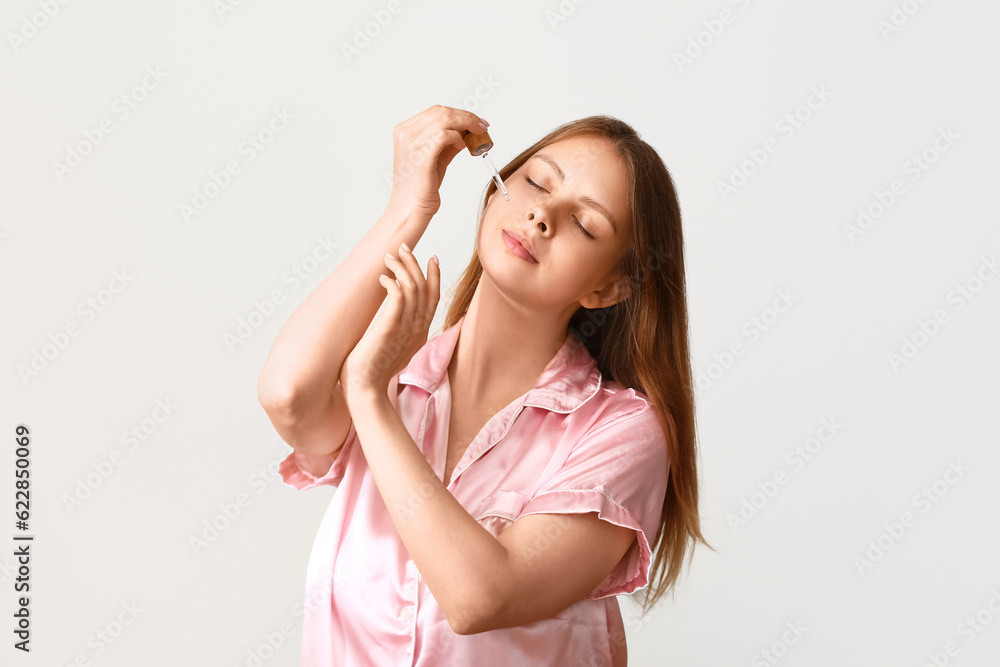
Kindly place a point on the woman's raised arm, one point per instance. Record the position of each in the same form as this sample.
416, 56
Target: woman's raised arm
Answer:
298, 384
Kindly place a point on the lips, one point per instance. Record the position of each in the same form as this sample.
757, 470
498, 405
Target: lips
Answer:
517, 242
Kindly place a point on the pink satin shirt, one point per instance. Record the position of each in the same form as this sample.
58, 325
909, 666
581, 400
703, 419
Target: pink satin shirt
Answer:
570, 444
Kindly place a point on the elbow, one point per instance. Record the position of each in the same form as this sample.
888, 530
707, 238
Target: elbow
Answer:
466, 624
277, 399
475, 615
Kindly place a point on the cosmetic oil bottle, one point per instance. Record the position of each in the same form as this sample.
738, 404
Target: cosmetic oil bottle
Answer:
480, 144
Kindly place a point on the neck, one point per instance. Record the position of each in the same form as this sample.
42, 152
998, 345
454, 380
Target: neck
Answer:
502, 348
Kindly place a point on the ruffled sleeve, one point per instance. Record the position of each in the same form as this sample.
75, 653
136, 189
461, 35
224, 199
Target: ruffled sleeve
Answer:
294, 469
618, 470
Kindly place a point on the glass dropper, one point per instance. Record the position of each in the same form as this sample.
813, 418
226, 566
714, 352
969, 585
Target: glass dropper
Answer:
480, 144
495, 175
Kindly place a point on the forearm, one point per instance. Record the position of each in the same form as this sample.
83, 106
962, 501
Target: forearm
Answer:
454, 553
307, 355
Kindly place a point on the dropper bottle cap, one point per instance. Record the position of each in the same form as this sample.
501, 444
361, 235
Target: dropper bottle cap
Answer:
478, 143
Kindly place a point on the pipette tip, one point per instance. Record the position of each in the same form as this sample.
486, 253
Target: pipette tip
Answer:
495, 174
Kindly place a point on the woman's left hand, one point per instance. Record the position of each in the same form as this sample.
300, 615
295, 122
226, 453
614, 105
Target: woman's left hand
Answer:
398, 332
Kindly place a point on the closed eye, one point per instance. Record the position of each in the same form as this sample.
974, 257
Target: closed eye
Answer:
537, 186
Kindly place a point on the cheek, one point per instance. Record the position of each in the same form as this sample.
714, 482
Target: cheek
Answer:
488, 219
568, 268
584, 267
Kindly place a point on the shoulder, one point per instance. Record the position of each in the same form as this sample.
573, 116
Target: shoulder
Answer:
614, 402
622, 418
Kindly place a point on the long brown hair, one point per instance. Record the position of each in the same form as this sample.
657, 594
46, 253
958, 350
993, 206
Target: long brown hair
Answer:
641, 341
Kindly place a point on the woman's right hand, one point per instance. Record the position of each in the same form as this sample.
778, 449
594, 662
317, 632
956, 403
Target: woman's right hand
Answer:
423, 146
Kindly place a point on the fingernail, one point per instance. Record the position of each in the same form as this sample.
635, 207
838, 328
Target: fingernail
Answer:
436, 260
390, 255
483, 126
404, 246
483, 121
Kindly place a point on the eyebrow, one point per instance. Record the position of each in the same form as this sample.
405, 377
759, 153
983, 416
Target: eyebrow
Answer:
589, 201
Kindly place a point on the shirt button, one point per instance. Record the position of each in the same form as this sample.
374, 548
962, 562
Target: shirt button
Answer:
405, 614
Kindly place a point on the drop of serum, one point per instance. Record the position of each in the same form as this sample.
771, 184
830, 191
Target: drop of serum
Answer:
480, 144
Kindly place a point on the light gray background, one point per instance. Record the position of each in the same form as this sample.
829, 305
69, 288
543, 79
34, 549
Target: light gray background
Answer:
162, 337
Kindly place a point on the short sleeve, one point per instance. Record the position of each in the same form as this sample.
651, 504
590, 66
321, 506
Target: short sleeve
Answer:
294, 468
618, 470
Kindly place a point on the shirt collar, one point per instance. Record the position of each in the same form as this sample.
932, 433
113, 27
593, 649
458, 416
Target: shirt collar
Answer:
570, 379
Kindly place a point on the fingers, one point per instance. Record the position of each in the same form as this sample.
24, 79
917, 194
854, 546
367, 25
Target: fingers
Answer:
426, 292
411, 283
413, 302
467, 120
460, 119
416, 297
433, 289
447, 117
394, 308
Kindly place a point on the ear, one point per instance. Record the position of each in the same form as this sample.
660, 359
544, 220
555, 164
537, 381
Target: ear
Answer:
617, 289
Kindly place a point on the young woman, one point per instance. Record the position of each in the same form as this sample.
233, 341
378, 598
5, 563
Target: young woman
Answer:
501, 482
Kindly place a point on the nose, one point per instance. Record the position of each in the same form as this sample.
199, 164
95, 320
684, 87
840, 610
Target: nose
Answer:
538, 220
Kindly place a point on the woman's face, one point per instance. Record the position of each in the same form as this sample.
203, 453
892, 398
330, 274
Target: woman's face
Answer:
568, 204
